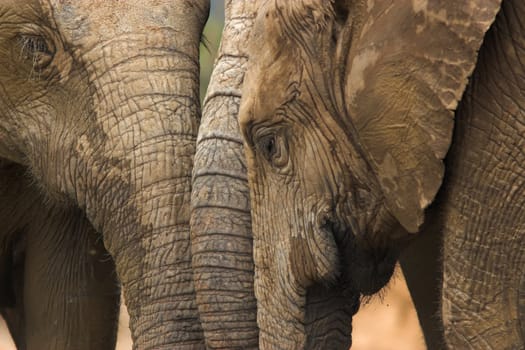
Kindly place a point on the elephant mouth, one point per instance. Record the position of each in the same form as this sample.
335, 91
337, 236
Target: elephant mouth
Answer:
371, 273
367, 268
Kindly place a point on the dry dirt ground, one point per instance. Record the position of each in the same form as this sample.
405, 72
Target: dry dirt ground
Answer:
386, 323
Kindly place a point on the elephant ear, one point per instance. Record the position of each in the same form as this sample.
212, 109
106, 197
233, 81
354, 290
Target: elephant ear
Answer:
408, 64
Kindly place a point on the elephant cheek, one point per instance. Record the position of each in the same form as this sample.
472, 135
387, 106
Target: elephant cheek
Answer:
302, 263
313, 261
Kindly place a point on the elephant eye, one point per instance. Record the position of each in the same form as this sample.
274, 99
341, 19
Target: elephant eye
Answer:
273, 148
37, 50
268, 147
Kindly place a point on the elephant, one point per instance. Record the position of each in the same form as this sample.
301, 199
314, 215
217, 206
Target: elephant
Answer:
99, 112
368, 124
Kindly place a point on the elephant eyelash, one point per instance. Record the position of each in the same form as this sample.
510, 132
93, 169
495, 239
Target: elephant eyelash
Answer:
37, 50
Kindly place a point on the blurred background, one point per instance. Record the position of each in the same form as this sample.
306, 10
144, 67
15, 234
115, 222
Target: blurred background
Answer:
388, 321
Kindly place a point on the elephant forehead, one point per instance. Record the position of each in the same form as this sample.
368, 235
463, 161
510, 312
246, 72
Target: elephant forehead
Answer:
105, 19
265, 89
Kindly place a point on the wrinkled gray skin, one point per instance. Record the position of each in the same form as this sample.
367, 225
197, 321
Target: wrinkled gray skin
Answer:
98, 120
483, 198
357, 117
220, 219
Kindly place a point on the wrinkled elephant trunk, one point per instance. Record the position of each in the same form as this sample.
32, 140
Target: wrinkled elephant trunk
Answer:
220, 220
328, 318
153, 255
147, 227
144, 82
146, 221
294, 316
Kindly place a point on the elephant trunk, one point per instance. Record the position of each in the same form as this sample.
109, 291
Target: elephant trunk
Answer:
220, 220
147, 227
145, 223
328, 317
291, 316
152, 254
136, 163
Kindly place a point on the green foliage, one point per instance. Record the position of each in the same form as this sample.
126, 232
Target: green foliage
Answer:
209, 46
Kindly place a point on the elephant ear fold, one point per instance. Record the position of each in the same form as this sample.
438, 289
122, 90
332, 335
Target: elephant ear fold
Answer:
408, 65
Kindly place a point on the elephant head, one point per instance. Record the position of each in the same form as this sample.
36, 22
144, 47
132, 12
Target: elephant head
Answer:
99, 102
347, 114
